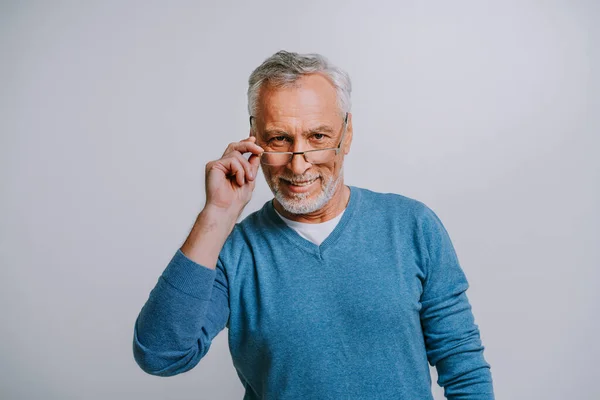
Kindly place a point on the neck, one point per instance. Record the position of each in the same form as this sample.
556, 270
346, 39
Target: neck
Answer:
332, 209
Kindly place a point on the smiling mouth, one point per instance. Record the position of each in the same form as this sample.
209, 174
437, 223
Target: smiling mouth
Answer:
301, 183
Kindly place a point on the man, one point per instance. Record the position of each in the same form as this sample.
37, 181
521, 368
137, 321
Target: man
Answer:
328, 291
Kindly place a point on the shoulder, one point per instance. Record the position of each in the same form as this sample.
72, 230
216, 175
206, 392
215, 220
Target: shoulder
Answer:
407, 212
395, 203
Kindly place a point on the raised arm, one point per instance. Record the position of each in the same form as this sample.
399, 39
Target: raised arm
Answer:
189, 305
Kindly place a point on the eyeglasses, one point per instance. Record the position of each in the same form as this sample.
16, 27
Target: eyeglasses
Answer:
315, 156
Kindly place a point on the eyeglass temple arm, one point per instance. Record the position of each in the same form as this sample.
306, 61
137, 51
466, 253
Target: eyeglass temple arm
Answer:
339, 146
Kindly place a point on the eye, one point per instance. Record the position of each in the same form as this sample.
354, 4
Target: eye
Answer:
319, 136
278, 139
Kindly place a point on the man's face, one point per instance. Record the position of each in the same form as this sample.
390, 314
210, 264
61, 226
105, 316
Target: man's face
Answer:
301, 118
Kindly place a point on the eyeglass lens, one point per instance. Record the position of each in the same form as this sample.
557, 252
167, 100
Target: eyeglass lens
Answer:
313, 157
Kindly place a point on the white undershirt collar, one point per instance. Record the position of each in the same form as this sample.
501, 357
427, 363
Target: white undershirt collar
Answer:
315, 233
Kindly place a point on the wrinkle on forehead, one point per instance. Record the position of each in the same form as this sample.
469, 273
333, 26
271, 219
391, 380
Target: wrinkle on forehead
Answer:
311, 100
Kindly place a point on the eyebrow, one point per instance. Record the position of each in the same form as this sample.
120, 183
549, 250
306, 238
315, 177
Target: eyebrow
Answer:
319, 129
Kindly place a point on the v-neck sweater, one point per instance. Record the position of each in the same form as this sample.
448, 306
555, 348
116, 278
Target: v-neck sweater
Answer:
359, 316
313, 232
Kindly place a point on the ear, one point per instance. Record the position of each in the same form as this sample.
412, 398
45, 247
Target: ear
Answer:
348, 138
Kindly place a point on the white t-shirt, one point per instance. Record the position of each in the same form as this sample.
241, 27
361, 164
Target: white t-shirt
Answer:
315, 233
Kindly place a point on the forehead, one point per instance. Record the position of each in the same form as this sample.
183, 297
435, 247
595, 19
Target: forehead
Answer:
312, 97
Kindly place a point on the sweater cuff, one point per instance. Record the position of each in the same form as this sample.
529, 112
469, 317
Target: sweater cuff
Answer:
190, 277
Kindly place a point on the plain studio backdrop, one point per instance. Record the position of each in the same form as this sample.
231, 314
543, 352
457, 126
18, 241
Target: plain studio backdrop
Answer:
484, 111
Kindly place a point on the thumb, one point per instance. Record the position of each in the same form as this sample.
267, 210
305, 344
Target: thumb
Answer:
254, 161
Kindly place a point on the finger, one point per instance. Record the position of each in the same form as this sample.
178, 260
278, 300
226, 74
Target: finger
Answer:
236, 171
230, 167
254, 164
251, 185
247, 167
239, 177
244, 146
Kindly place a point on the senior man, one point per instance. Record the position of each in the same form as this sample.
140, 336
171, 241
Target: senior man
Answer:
328, 291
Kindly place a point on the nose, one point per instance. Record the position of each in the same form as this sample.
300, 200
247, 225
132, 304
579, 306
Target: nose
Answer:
298, 164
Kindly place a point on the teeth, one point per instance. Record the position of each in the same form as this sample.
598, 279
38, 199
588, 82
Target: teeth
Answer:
302, 183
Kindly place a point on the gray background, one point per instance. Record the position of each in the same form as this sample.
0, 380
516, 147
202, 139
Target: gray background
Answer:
485, 111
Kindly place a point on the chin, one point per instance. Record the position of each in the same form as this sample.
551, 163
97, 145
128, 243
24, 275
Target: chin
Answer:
301, 206
309, 202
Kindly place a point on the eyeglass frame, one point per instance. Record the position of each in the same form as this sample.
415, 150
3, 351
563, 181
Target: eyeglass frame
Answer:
293, 153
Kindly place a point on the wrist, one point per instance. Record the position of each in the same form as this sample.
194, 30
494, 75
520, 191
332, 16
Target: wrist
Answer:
219, 217
209, 233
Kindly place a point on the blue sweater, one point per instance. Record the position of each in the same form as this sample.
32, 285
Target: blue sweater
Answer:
358, 317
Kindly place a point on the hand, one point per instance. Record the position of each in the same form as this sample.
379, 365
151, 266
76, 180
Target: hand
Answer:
231, 179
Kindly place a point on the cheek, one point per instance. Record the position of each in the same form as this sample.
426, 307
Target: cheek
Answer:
338, 164
269, 172
330, 170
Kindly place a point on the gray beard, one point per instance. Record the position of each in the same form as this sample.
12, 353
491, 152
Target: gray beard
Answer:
299, 204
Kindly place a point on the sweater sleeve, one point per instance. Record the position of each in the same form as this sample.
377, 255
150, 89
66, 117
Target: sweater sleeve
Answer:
186, 309
451, 336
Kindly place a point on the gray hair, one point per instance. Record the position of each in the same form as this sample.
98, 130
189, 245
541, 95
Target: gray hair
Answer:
283, 69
